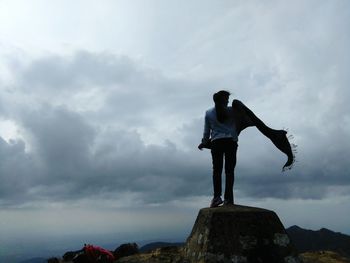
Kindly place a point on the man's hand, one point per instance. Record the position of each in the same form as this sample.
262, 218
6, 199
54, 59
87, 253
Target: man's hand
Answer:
201, 146
237, 103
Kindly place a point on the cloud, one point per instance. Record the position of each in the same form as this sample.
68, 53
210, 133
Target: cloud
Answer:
73, 160
105, 125
17, 170
99, 152
80, 71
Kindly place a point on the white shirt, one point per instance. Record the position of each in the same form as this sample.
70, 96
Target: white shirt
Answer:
214, 129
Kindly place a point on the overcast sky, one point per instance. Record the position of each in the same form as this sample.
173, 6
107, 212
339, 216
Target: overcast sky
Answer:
102, 106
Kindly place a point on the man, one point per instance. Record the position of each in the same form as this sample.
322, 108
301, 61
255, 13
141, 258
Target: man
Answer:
222, 127
219, 126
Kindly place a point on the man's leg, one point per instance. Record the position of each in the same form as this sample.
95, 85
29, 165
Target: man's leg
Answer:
230, 164
217, 157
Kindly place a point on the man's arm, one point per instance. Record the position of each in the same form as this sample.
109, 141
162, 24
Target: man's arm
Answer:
252, 119
206, 133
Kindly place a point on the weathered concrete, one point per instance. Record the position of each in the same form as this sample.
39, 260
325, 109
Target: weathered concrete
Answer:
239, 234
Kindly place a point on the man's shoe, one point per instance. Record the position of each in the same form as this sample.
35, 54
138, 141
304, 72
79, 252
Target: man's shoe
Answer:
227, 202
216, 201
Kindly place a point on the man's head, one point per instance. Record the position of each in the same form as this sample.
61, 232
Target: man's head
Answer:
221, 97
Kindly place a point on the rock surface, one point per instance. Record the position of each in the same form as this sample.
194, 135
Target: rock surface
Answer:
239, 234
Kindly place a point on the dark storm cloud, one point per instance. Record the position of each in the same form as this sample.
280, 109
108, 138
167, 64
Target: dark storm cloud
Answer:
61, 139
124, 86
17, 170
75, 161
75, 72
78, 152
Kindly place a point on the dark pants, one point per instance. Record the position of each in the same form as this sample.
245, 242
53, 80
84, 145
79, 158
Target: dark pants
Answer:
220, 149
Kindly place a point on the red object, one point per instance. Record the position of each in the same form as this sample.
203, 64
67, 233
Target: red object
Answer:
94, 252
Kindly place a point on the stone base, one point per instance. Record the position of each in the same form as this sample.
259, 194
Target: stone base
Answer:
239, 234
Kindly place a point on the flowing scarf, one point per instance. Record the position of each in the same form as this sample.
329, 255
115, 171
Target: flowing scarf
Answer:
244, 117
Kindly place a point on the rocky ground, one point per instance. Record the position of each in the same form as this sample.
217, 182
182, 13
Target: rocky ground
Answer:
160, 255
174, 255
323, 257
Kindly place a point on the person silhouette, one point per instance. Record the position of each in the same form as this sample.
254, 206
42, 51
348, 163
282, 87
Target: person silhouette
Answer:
221, 133
222, 126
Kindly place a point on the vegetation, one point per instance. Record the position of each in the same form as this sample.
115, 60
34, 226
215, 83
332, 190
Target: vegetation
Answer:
323, 257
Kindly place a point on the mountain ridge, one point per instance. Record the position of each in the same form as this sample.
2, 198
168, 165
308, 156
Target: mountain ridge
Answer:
319, 240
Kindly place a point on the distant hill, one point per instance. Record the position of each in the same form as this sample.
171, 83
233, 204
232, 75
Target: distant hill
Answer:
154, 245
323, 239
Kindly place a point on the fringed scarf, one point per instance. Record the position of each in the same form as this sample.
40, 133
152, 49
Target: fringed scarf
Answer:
244, 117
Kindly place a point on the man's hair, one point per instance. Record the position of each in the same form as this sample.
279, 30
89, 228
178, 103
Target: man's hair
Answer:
221, 112
220, 95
